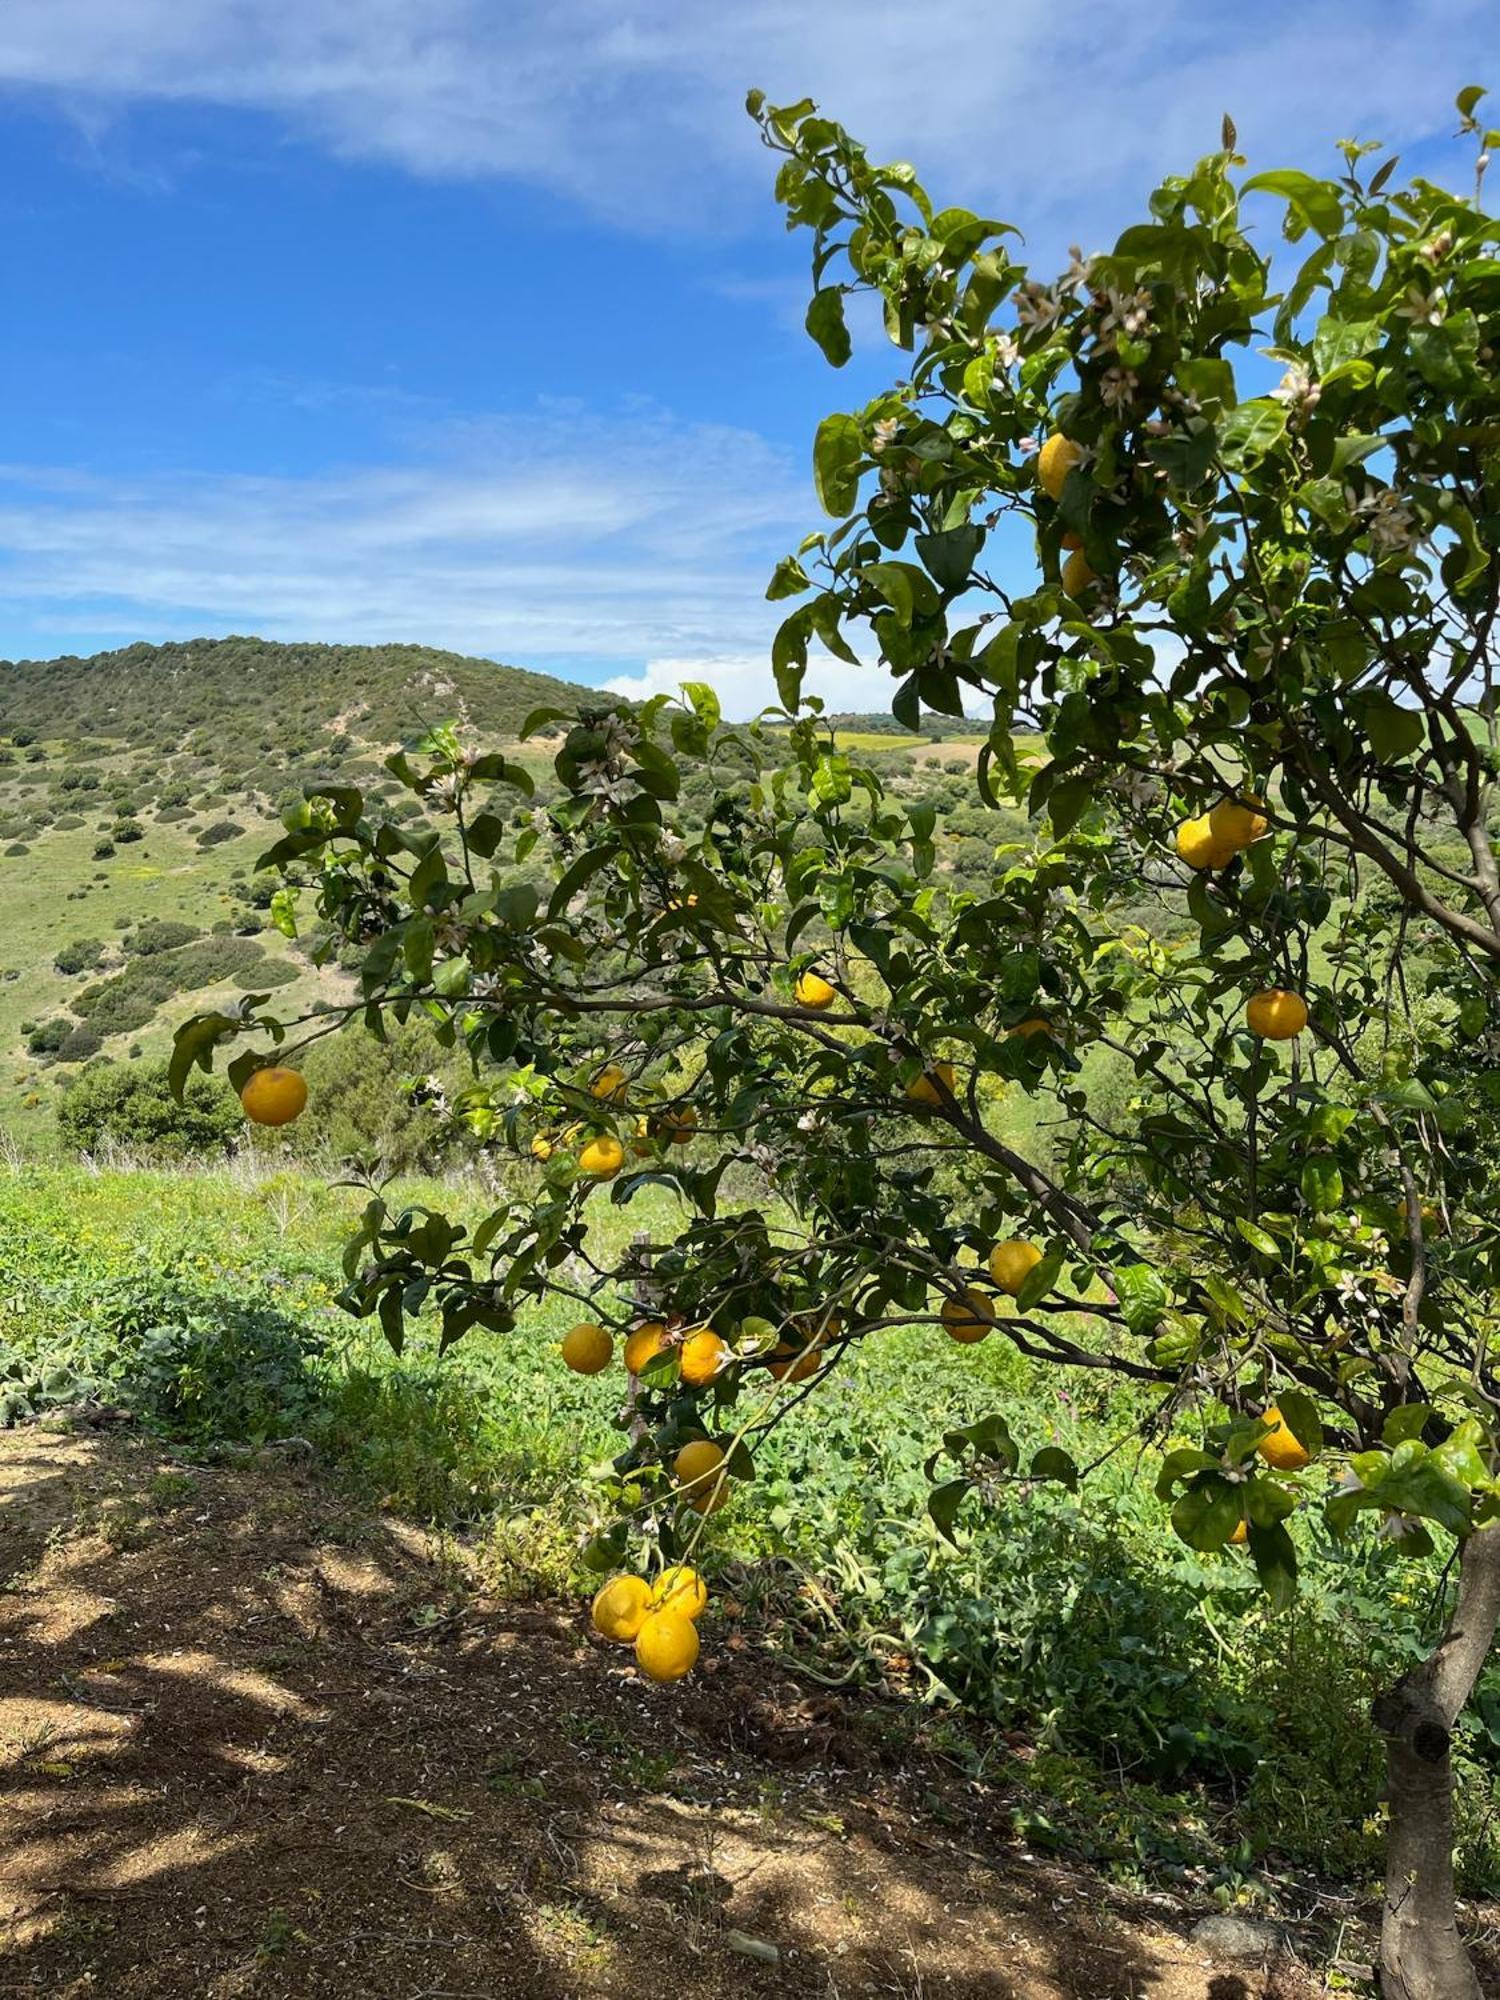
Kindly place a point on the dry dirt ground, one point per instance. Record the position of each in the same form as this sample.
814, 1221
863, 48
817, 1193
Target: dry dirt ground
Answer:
255, 1744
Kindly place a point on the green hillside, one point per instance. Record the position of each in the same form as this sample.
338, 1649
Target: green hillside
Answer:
138, 788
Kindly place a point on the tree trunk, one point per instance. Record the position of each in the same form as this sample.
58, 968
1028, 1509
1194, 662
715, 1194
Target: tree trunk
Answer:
1422, 1956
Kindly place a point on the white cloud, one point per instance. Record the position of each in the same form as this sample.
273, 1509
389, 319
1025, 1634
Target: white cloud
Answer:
745, 685
561, 538
1056, 117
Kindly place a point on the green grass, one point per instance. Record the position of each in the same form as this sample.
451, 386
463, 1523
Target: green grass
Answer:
1175, 1720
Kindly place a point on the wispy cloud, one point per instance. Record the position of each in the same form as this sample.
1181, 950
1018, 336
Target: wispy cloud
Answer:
1057, 117
565, 538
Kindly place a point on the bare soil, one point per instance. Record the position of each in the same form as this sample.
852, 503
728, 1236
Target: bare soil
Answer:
253, 1743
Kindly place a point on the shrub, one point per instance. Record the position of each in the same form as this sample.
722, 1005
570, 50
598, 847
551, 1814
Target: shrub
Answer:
103, 850
126, 830
67, 822
263, 978
135, 1108
17, 848
220, 831
48, 1036
82, 955
79, 1046
160, 934
22, 738
170, 813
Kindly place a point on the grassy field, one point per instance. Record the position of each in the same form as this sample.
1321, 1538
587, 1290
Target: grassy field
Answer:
1174, 1721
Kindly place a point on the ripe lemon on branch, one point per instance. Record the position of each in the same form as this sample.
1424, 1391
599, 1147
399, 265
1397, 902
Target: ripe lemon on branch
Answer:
602, 1157
1197, 846
969, 1317
1238, 822
812, 990
924, 1089
274, 1096
1281, 1446
1055, 461
587, 1348
1012, 1263
1275, 1014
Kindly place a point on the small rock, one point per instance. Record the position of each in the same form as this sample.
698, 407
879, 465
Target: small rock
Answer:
1236, 1940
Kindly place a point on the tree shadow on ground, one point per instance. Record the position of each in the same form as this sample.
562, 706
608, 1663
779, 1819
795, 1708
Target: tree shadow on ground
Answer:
256, 1743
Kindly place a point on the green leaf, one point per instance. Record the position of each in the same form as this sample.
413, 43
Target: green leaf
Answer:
1275, 1557
943, 1503
1315, 203
1322, 1185
1252, 429
837, 451
1053, 1463
1207, 1514
1143, 1296
1394, 732
949, 556
1408, 1420
1039, 1281
825, 322
1258, 1238
1300, 1415
195, 1042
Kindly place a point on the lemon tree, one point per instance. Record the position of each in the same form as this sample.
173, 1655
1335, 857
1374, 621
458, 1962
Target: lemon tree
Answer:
1209, 536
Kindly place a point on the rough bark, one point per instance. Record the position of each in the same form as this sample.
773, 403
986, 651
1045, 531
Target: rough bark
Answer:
1422, 1955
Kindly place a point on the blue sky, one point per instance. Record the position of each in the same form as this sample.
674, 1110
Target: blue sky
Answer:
472, 322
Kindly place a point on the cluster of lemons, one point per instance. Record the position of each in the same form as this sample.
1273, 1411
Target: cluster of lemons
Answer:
1212, 841
659, 1620
602, 1155
1054, 462
970, 1315
701, 1353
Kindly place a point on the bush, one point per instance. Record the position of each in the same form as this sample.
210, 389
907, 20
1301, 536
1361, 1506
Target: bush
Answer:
82, 955
104, 850
160, 934
363, 1099
67, 822
171, 813
126, 830
135, 1108
220, 831
48, 1037
79, 1046
17, 848
265, 978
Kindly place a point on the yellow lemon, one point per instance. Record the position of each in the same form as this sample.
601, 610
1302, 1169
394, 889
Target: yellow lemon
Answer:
969, 1317
703, 1356
681, 1590
1198, 848
1276, 1015
924, 1089
702, 1478
1241, 1535
814, 991
643, 1346
1280, 1446
678, 1125
273, 1096
666, 1647
1034, 1024
1078, 573
602, 1157
1012, 1263
609, 1084
621, 1607
541, 1147
1236, 825
1054, 462
587, 1348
